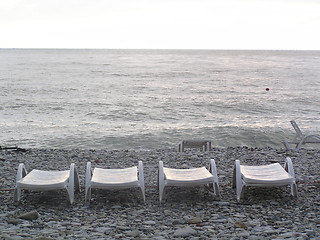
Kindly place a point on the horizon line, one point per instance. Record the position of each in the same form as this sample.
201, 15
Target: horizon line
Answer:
158, 49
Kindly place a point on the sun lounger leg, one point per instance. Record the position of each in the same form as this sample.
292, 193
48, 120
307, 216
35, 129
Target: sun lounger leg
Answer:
298, 146
213, 170
289, 168
17, 195
181, 146
141, 180
299, 134
287, 145
22, 172
239, 184
76, 181
208, 146
88, 183
161, 180
70, 187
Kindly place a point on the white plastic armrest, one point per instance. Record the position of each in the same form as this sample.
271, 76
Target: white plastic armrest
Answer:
289, 167
22, 172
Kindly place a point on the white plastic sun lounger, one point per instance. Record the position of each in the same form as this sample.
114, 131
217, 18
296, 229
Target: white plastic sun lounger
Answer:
38, 180
271, 175
300, 138
114, 179
204, 145
187, 177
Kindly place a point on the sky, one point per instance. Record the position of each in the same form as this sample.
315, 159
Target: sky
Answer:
161, 24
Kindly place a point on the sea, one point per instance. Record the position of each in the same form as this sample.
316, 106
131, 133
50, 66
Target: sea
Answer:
152, 99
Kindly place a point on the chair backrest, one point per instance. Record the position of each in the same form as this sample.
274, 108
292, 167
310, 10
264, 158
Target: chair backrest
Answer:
297, 129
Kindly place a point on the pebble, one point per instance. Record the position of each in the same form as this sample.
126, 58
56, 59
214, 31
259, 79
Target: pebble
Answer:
184, 232
134, 233
32, 215
239, 224
186, 213
149, 223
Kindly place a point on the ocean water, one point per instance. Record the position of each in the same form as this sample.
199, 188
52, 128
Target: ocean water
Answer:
152, 99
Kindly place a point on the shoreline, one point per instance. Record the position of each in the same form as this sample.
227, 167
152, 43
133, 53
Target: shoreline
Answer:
264, 213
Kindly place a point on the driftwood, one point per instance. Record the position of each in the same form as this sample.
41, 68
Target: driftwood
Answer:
13, 148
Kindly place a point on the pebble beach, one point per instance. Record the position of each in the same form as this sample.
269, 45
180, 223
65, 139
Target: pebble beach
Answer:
186, 213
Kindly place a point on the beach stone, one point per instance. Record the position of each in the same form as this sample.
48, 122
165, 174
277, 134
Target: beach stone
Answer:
239, 224
13, 221
8, 237
194, 221
243, 234
223, 203
149, 223
177, 222
287, 235
102, 229
220, 220
134, 233
32, 215
159, 238
184, 232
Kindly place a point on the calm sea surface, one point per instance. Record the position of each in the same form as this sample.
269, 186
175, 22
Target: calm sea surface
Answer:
152, 99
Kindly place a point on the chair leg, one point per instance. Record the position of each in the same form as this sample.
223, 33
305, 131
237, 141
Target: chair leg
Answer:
70, 187
88, 194
289, 168
213, 170
181, 147
299, 145
209, 146
234, 177
240, 192
88, 182
21, 173
287, 145
17, 195
294, 189
239, 184
141, 180
76, 181
204, 148
161, 182
216, 190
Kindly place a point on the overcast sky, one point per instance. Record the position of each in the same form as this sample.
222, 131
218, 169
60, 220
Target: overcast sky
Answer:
161, 24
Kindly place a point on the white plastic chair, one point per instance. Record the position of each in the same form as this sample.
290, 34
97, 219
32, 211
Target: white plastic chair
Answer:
204, 145
114, 179
38, 180
271, 175
300, 138
187, 177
